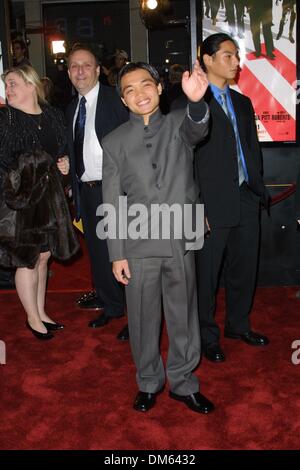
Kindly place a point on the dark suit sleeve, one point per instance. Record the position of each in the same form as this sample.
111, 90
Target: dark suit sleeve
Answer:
256, 154
111, 188
195, 124
120, 109
253, 140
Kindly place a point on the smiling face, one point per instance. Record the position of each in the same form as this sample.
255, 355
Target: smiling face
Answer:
83, 71
19, 94
140, 93
223, 65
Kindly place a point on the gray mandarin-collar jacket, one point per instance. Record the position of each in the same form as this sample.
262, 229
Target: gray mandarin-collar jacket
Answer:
152, 165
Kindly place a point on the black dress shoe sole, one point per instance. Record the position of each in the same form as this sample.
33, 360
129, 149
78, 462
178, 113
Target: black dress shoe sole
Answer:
123, 338
123, 335
144, 409
102, 320
244, 339
146, 406
213, 359
94, 306
204, 410
89, 301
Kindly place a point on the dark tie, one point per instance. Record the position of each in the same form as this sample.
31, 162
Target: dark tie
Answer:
233, 122
79, 137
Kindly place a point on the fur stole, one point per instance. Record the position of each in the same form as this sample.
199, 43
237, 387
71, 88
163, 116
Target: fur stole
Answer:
39, 213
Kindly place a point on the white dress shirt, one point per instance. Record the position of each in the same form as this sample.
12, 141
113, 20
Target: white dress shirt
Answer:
92, 150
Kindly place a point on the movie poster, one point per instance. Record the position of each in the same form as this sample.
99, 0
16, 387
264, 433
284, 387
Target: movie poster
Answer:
266, 33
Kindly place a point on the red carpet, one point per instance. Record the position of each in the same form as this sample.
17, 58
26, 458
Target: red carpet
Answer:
76, 391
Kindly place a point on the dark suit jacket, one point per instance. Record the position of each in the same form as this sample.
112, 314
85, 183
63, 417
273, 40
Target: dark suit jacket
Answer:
110, 114
216, 167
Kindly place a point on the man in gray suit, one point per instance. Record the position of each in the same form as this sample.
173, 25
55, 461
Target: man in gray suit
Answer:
150, 159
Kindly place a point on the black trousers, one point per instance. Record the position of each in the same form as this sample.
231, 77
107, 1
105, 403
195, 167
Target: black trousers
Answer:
235, 7
265, 19
214, 5
108, 289
237, 247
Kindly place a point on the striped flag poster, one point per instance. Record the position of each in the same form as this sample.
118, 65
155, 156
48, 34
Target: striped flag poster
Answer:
265, 31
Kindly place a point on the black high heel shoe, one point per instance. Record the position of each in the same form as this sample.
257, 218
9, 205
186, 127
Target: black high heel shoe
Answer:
38, 334
53, 326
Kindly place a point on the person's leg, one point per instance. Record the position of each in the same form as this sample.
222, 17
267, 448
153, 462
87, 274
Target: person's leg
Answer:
180, 307
239, 8
42, 284
109, 291
255, 30
292, 23
207, 8
180, 310
230, 16
214, 4
208, 264
143, 295
281, 24
27, 288
268, 37
241, 265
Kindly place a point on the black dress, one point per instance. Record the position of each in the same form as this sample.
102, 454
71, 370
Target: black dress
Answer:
34, 215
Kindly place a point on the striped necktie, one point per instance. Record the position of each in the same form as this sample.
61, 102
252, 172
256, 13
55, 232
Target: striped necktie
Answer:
224, 104
79, 138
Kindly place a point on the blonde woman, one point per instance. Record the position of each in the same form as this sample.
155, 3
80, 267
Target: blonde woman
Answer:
34, 218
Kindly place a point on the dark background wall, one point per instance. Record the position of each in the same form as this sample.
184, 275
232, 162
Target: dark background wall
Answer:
4, 33
171, 42
105, 25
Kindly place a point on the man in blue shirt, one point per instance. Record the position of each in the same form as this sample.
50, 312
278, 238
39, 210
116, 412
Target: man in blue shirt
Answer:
228, 168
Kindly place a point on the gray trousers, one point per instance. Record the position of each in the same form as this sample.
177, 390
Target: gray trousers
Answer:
170, 281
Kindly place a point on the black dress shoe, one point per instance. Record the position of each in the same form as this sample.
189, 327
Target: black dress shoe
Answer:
38, 334
291, 39
100, 321
124, 334
271, 56
144, 401
250, 337
196, 402
53, 326
89, 300
214, 353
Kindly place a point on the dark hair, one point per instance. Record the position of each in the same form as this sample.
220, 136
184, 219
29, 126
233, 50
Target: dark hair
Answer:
131, 67
175, 73
21, 44
211, 45
82, 47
